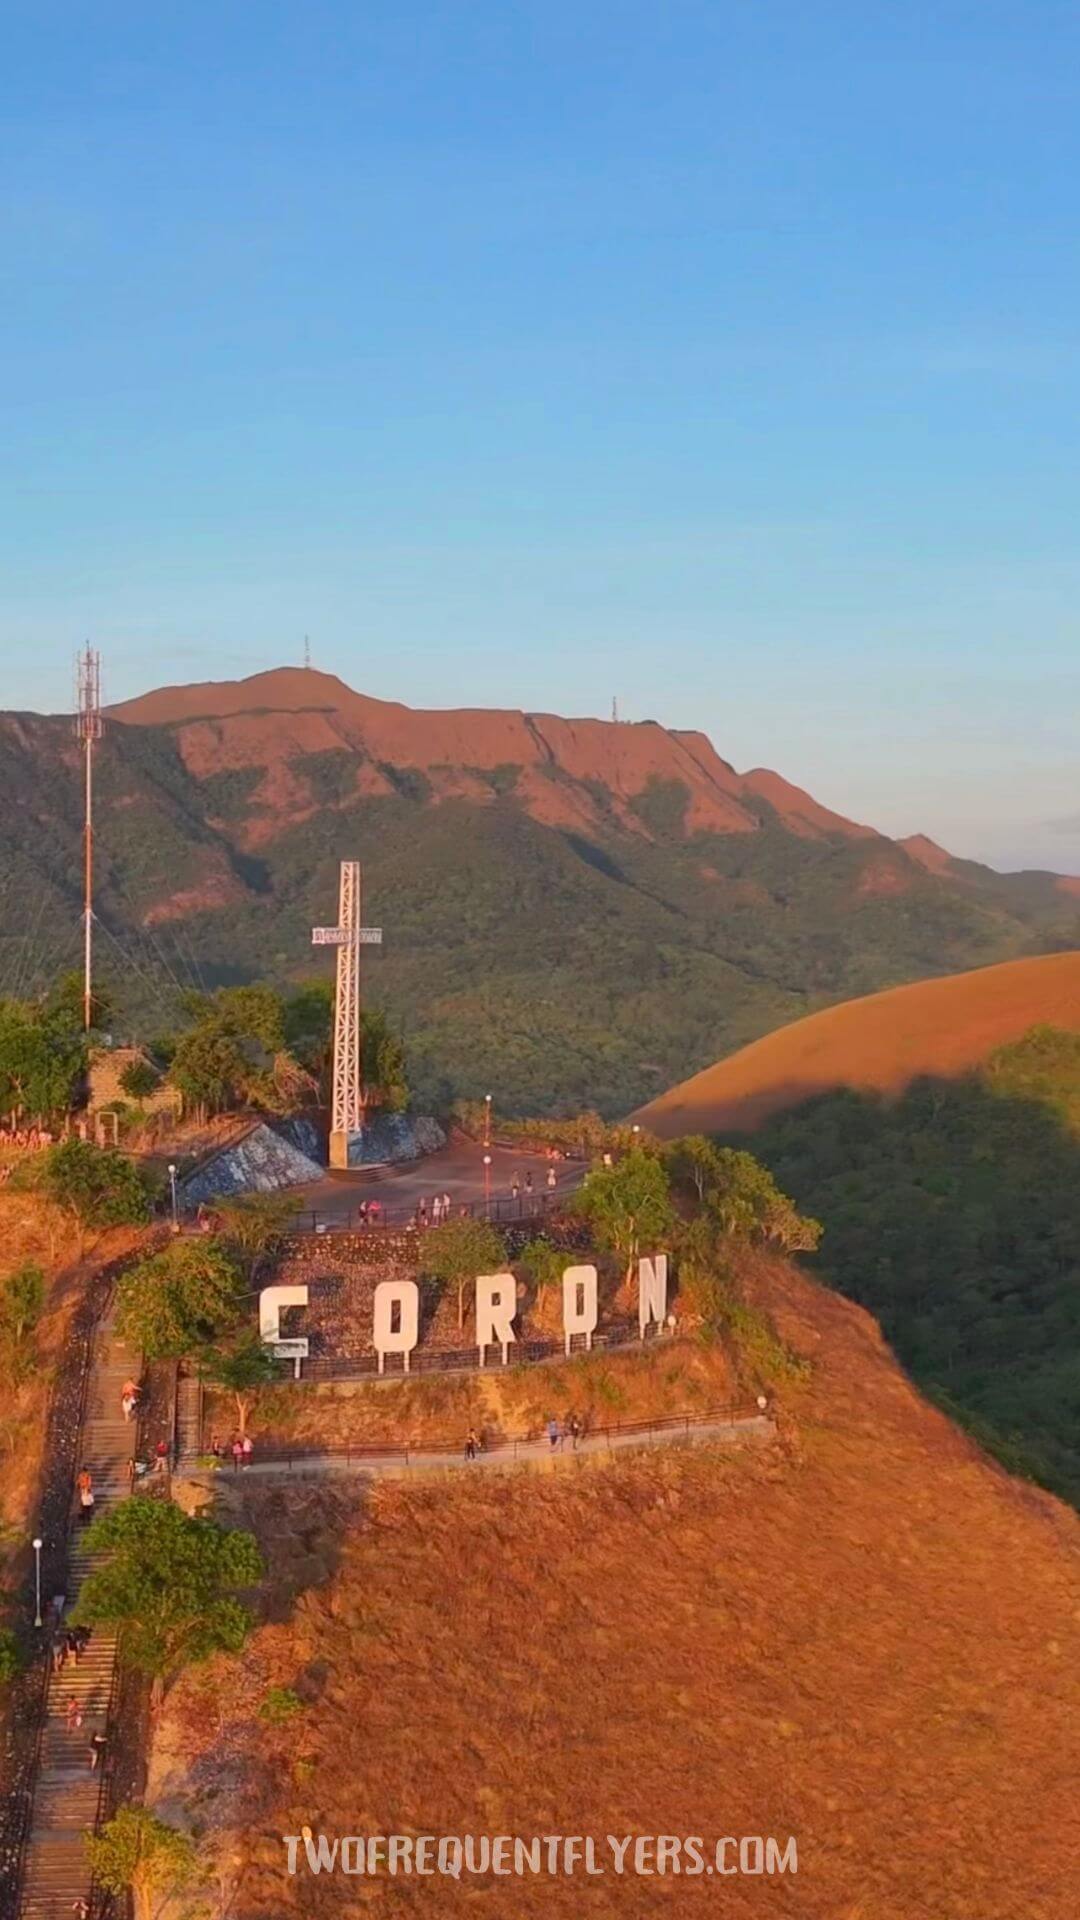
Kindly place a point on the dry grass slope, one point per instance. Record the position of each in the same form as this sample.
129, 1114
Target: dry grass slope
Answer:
866, 1636
882, 1042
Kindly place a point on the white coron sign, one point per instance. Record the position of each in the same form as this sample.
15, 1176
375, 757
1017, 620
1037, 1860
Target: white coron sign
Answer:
395, 1324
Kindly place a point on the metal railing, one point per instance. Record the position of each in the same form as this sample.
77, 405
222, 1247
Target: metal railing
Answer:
374, 1216
519, 1353
297, 1454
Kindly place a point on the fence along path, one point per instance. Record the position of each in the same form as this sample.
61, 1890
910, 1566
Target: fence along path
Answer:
66, 1791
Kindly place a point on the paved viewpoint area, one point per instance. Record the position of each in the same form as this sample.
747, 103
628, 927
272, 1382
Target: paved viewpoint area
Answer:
457, 1170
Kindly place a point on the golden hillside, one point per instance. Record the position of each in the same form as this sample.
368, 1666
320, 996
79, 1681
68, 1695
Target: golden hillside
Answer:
882, 1042
865, 1635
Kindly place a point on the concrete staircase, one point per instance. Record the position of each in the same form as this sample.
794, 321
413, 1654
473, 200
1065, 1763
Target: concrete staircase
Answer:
66, 1790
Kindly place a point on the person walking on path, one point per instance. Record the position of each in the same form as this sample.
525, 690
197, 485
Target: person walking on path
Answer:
73, 1715
573, 1428
515, 1186
554, 1436
237, 1453
86, 1499
471, 1444
161, 1456
436, 1210
247, 1448
98, 1743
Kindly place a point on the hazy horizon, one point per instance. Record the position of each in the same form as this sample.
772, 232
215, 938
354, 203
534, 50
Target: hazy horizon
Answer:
723, 360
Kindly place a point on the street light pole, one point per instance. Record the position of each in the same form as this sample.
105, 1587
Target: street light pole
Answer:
487, 1185
487, 1119
38, 1544
172, 1188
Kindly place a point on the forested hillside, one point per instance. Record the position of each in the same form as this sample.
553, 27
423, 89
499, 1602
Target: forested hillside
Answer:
953, 1213
575, 912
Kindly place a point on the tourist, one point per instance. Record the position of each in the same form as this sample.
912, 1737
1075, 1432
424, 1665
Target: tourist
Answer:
237, 1453
421, 1212
471, 1444
86, 1498
515, 1186
57, 1605
161, 1456
573, 1428
552, 1179
127, 1406
81, 1908
247, 1449
132, 1470
73, 1715
554, 1436
98, 1744
59, 1653
361, 1213
74, 1647
436, 1209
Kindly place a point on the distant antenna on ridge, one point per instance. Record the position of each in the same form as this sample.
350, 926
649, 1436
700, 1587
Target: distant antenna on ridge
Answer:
307, 651
88, 731
615, 711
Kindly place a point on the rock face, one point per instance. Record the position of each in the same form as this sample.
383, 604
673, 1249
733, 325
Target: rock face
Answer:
263, 1162
395, 1137
269, 1159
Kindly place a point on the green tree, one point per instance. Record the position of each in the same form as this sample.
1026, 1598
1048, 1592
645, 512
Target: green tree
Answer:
243, 1369
544, 1265
255, 1227
459, 1250
139, 1079
138, 1853
22, 1297
168, 1585
97, 1186
382, 1053
10, 1657
745, 1200
175, 1301
628, 1206
208, 1068
41, 1062
694, 1163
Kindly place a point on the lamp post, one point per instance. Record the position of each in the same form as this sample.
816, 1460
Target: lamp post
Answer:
487, 1185
636, 1131
38, 1544
172, 1190
487, 1119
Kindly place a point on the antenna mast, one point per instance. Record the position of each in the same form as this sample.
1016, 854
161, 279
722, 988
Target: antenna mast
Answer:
307, 651
88, 731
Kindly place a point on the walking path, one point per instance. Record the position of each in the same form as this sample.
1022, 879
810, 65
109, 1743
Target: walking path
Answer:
66, 1791
388, 1462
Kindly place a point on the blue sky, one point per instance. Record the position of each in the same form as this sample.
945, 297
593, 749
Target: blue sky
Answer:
724, 357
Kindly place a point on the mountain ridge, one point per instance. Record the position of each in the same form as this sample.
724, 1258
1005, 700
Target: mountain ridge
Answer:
578, 912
